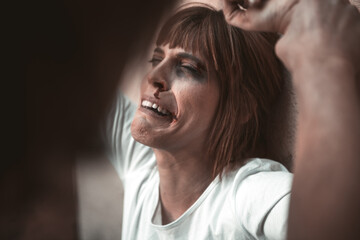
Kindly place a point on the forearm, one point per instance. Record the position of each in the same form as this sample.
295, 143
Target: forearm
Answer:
327, 166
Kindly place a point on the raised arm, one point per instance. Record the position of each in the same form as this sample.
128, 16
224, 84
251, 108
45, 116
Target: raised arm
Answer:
321, 49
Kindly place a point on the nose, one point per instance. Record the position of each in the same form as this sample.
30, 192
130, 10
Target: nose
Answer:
158, 79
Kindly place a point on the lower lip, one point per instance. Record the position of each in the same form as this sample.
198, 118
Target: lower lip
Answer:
155, 115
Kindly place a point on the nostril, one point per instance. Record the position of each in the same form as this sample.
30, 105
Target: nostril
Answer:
159, 86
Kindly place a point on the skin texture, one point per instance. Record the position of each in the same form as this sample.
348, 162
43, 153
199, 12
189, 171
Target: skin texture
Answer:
188, 89
320, 48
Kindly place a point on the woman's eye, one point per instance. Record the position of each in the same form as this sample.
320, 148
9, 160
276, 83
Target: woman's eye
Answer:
191, 69
155, 61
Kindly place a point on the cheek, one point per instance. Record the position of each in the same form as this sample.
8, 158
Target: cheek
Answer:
207, 100
207, 106
143, 84
200, 102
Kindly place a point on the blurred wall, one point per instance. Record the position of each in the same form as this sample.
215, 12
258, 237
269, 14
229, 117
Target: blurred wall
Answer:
63, 62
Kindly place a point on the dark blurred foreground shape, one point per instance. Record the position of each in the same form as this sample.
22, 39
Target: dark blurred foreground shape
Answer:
64, 59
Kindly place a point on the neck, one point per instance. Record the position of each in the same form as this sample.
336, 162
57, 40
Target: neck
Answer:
184, 176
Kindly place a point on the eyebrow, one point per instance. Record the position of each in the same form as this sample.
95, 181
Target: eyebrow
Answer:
193, 58
159, 50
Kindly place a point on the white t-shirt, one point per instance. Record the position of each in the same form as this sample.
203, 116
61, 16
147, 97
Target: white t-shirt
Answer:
248, 203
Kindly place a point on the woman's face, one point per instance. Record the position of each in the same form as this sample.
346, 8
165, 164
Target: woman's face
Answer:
179, 98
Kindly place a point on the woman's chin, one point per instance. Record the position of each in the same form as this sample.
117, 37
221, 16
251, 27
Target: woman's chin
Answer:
141, 132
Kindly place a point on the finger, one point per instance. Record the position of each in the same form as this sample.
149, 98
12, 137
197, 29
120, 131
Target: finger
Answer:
235, 13
259, 15
246, 14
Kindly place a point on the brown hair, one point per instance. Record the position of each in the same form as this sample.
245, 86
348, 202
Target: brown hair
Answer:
249, 78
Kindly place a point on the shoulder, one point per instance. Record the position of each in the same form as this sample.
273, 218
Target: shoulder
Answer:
260, 184
259, 173
262, 173
258, 187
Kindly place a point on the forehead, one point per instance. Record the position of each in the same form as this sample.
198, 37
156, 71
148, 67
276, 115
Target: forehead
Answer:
166, 49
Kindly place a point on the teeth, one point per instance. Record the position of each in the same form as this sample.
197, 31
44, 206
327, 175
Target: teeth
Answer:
146, 103
162, 110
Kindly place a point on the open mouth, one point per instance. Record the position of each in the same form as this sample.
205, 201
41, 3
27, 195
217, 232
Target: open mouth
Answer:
161, 111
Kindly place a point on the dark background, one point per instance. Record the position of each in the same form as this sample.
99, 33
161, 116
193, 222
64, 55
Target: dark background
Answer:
63, 60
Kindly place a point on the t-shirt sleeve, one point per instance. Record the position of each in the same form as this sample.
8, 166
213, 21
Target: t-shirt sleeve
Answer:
275, 226
123, 151
262, 200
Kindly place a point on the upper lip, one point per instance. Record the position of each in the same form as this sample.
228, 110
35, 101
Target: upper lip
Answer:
162, 102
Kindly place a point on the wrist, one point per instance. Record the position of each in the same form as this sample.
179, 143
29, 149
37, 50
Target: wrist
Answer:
331, 67
320, 81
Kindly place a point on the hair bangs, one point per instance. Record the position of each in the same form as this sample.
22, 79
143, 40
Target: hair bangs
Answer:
192, 32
